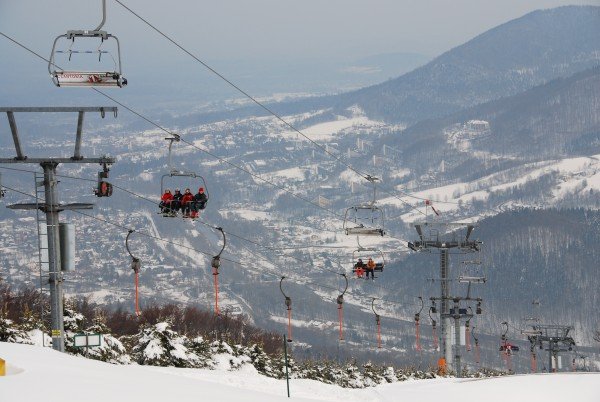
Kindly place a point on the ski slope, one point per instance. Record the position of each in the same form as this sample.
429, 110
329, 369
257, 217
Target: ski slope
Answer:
41, 374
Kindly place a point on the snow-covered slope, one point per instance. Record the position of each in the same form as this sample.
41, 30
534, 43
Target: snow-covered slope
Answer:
36, 374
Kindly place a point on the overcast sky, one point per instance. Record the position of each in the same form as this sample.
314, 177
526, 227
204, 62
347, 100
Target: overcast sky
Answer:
229, 33
234, 29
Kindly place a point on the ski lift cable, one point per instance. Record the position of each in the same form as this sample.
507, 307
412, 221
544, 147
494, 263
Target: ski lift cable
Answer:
110, 222
278, 117
204, 223
155, 237
221, 159
215, 156
126, 228
189, 143
364, 176
156, 203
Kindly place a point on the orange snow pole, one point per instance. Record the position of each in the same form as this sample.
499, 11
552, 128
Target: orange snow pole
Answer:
477, 353
289, 313
533, 362
136, 265
216, 282
341, 319
378, 321
418, 336
215, 263
137, 304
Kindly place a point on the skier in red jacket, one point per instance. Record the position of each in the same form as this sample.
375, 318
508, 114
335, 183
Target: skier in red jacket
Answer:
165, 202
186, 203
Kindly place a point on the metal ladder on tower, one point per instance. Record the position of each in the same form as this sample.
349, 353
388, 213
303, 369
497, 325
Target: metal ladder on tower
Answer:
42, 232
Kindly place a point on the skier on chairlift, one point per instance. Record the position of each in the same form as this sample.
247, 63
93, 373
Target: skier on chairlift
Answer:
165, 203
200, 200
176, 203
359, 268
371, 268
187, 203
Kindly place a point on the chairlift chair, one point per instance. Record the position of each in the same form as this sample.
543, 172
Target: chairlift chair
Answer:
78, 78
166, 180
364, 253
103, 188
365, 219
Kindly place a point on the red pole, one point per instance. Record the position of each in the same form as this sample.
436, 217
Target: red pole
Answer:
289, 324
477, 353
533, 363
418, 336
137, 305
216, 276
341, 319
435, 339
378, 334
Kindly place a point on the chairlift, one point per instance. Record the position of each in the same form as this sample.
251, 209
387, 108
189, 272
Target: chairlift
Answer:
471, 272
136, 266
365, 219
288, 305
170, 209
340, 302
78, 78
505, 346
215, 264
378, 322
417, 326
433, 310
103, 188
361, 255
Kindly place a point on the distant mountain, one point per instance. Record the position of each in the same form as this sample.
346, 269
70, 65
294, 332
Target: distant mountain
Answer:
511, 58
505, 60
555, 120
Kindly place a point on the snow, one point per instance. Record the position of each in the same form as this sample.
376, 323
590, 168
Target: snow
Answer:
575, 175
324, 131
34, 372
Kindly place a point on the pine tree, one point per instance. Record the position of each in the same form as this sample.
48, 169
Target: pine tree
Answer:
9, 332
158, 345
111, 349
74, 325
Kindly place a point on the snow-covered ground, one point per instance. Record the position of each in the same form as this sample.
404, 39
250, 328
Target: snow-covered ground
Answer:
41, 374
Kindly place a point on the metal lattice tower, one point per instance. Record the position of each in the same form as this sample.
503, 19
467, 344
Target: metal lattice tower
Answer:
552, 338
444, 236
49, 239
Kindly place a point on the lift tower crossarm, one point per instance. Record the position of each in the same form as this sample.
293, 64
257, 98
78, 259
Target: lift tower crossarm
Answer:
77, 157
51, 206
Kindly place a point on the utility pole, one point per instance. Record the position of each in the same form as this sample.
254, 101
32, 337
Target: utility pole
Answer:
444, 236
51, 206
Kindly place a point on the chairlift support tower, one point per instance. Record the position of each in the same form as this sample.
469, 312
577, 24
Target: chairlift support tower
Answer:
444, 236
552, 338
51, 206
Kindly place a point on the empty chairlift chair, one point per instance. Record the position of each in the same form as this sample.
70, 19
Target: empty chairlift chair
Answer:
99, 76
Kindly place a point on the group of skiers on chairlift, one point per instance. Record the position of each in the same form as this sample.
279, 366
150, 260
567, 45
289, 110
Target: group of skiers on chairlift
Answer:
189, 204
360, 268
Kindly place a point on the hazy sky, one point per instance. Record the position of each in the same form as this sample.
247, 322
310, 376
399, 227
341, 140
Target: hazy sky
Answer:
234, 29
230, 33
